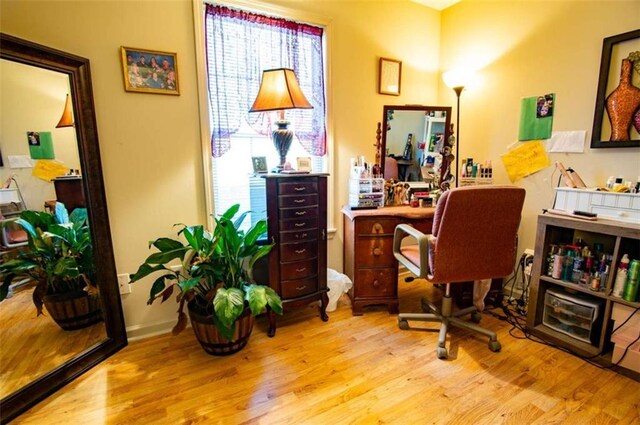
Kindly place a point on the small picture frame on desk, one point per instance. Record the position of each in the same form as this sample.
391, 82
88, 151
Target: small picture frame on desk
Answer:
303, 163
259, 164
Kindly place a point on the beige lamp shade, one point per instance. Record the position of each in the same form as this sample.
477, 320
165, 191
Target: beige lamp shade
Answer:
67, 116
279, 90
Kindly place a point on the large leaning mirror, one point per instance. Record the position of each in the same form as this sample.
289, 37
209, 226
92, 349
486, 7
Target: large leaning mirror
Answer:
40, 354
411, 135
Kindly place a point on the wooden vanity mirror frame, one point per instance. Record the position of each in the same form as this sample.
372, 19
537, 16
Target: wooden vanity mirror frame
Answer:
78, 71
426, 109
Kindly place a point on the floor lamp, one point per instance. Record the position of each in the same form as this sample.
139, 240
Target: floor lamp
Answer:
456, 80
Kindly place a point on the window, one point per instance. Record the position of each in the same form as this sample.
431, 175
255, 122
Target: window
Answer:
239, 46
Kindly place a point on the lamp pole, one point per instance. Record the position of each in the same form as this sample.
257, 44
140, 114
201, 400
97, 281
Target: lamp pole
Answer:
458, 90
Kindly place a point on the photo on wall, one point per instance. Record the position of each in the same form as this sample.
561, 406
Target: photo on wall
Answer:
149, 71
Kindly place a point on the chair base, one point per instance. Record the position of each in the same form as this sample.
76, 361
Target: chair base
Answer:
446, 318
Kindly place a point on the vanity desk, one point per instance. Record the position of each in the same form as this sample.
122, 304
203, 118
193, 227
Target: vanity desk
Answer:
368, 252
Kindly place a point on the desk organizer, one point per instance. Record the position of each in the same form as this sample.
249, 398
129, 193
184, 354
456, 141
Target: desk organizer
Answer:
366, 192
615, 206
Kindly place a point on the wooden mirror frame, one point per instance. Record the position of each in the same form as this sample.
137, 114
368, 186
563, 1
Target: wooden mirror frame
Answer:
78, 71
385, 112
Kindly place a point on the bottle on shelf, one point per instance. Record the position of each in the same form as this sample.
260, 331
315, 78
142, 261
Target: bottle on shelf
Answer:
630, 292
621, 276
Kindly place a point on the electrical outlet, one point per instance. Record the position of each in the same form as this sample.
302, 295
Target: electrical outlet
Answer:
123, 283
528, 251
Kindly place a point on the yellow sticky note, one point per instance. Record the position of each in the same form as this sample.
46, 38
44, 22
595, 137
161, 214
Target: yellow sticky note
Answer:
48, 170
525, 160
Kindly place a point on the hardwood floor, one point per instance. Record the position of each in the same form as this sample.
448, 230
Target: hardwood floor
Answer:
349, 370
32, 346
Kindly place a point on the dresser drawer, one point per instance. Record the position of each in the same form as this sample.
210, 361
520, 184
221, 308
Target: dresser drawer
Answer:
298, 288
298, 188
298, 251
305, 235
376, 283
303, 212
306, 223
297, 201
299, 269
376, 226
372, 251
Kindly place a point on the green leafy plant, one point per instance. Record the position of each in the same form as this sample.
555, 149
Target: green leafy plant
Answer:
59, 254
215, 272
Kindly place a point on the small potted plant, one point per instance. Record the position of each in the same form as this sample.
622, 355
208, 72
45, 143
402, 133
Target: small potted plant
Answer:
59, 258
214, 279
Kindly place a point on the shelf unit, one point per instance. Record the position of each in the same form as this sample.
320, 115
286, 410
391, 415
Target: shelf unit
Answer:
618, 238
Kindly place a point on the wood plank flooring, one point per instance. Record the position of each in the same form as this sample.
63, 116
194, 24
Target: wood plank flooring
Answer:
31, 346
350, 370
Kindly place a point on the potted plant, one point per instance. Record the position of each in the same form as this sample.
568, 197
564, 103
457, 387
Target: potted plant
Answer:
59, 258
214, 279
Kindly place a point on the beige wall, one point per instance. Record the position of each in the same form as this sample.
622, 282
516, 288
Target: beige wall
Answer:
529, 48
150, 144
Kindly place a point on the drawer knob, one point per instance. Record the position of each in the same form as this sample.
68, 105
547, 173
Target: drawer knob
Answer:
300, 251
376, 283
299, 201
300, 288
300, 236
299, 189
300, 224
301, 270
377, 251
301, 212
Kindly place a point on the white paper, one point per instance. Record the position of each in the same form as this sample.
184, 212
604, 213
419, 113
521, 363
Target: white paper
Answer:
20, 161
566, 141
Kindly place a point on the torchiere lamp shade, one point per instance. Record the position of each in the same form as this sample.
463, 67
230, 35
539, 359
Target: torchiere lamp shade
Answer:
67, 116
279, 90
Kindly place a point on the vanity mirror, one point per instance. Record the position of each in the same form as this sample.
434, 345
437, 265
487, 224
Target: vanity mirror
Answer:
410, 134
38, 358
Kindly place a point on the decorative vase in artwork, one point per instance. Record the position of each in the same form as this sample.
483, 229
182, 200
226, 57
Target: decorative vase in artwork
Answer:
622, 104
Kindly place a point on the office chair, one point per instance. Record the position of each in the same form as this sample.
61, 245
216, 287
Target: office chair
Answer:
390, 168
473, 238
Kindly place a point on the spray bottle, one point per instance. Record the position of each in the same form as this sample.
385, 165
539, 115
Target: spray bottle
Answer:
621, 276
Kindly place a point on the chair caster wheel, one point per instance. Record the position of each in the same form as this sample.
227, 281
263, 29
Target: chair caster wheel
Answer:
403, 324
475, 317
494, 346
442, 353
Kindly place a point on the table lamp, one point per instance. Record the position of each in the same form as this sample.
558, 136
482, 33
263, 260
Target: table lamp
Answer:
279, 90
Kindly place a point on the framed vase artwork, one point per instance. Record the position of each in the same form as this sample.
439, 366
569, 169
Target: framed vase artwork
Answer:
389, 76
616, 123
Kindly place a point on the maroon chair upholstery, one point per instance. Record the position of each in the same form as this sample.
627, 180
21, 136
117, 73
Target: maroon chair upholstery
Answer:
473, 238
390, 168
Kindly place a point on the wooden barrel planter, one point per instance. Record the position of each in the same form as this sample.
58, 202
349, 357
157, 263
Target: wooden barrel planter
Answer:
210, 339
73, 311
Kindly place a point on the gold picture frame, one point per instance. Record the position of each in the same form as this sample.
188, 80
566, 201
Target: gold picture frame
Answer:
149, 71
389, 76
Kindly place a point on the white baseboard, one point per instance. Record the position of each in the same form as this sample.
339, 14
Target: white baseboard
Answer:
135, 333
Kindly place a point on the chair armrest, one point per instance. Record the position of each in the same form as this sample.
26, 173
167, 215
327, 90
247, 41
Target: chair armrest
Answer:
424, 241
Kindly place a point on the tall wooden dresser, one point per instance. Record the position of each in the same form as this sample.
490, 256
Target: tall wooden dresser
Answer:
297, 224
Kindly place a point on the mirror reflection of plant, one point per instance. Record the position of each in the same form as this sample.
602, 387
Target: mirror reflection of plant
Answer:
59, 254
215, 274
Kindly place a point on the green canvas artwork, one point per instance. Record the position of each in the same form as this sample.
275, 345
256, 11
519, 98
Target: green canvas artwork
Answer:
40, 145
